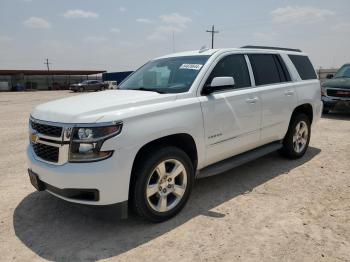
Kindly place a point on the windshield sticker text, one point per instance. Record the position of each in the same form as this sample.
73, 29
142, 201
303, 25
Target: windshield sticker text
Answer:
191, 66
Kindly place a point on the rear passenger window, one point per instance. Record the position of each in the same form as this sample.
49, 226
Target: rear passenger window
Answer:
303, 66
268, 69
235, 66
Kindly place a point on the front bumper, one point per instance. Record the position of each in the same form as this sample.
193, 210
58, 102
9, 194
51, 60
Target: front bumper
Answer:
110, 178
330, 102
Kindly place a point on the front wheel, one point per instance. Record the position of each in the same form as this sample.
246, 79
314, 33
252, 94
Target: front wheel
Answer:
297, 138
162, 184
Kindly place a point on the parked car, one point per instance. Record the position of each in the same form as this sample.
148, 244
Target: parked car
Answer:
89, 85
336, 89
179, 117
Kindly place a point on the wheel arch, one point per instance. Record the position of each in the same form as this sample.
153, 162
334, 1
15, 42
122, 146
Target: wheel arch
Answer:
183, 141
306, 109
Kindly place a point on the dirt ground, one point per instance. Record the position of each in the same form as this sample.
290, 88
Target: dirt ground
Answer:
271, 209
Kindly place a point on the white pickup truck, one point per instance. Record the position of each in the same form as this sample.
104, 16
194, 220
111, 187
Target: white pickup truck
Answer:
179, 117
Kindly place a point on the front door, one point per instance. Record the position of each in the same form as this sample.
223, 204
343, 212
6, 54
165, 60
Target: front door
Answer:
231, 116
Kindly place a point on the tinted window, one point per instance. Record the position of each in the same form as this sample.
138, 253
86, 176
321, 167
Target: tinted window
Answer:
268, 69
282, 69
235, 66
303, 66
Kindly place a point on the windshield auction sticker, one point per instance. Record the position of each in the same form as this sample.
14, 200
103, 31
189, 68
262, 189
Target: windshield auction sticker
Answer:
191, 66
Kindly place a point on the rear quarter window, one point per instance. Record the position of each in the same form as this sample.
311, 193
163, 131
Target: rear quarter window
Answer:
304, 67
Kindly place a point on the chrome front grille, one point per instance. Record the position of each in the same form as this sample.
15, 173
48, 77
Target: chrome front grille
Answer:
46, 152
48, 130
48, 142
339, 93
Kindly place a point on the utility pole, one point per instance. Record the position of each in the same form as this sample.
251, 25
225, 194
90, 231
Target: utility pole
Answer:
47, 64
48, 70
212, 31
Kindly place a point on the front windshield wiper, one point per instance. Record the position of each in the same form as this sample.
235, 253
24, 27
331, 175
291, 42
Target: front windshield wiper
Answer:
148, 89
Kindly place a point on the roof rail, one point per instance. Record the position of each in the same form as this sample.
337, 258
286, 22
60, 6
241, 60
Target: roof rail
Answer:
271, 47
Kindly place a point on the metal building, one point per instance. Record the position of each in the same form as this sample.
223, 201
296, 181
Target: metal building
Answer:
43, 79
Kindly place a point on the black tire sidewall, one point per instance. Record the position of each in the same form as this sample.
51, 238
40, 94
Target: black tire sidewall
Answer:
142, 173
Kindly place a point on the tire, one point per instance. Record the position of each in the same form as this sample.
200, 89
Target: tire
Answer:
157, 197
325, 110
81, 89
296, 143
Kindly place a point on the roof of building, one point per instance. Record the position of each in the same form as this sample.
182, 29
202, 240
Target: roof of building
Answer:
51, 72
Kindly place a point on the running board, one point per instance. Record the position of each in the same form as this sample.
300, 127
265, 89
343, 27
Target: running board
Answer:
238, 160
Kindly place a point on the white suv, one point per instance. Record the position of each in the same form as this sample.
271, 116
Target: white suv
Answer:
179, 117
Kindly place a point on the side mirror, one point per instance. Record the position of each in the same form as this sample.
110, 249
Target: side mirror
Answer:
329, 76
219, 83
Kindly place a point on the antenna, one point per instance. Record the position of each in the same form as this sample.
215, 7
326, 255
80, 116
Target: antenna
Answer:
212, 31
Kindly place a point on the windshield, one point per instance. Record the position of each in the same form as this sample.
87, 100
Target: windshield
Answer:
168, 75
344, 71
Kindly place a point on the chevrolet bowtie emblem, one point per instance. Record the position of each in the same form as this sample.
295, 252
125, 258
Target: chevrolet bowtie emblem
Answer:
34, 138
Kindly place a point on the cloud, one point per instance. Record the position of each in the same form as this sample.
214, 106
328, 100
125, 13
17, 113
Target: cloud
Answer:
175, 19
264, 37
77, 13
122, 9
114, 30
95, 39
126, 43
172, 23
144, 21
342, 28
4, 39
163, 32
298, 14
36, 22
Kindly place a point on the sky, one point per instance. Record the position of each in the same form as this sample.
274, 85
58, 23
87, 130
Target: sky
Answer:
121, 35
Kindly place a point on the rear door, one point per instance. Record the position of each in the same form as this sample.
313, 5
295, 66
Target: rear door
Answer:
231, 116
277, 93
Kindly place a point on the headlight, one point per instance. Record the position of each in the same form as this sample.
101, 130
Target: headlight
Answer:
86, 142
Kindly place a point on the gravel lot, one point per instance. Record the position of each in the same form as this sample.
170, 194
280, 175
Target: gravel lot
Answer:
271, 209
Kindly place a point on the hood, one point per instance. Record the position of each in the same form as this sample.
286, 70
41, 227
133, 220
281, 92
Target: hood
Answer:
337, 83
90, 108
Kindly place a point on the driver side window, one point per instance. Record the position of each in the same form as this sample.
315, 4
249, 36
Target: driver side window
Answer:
234, 66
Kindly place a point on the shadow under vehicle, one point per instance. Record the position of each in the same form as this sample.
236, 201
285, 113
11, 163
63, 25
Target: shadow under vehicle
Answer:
61, 231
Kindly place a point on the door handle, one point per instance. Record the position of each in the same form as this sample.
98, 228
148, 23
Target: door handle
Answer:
289, 92
252, 100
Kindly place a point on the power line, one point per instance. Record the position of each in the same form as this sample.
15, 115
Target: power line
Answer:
212, 31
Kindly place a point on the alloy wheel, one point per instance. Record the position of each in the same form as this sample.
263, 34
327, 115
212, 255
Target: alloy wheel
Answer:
300, 137
166, 185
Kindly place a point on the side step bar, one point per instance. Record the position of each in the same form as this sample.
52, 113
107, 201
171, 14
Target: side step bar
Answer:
238, 160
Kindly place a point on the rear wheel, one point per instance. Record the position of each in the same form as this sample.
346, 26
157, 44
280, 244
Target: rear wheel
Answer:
297, 138
162, 184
